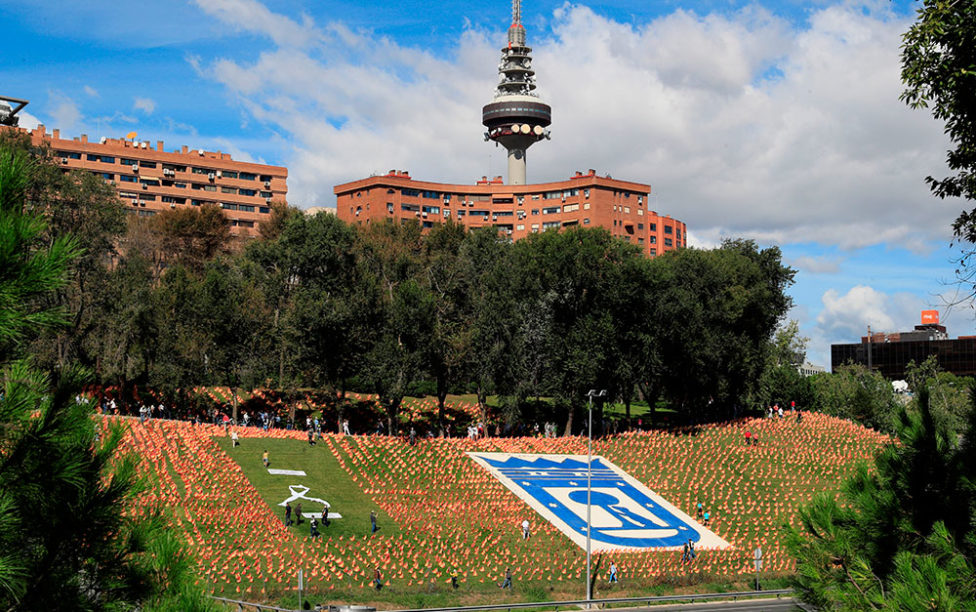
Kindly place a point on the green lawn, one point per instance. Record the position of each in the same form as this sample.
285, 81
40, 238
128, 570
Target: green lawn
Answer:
325, 479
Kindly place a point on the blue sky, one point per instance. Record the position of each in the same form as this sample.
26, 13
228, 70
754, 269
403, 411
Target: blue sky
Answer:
777, 121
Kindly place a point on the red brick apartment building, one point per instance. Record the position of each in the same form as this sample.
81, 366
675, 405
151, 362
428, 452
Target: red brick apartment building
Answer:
585, 200
149, 179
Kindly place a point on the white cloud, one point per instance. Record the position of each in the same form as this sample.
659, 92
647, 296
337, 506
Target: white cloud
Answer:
91, 91
146, 105
252, 16
27, 120
743, 124
816, 265
850, 314
63, 111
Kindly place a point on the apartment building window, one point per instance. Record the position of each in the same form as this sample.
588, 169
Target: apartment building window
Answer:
667, 242
265, 178
640, 240
147, 164
586, 193
586, 206
129, 162
626, 210
265, 210
389, 207
552, 210
653, 239
535, 211
229, 174
586, 221
128, 178
266, 194
108, 176
677, 233
668, 229
248, 192
246, 176
68, 154
653, 252
570, 207
202, 170
520, 227
172, 200
640, 227
410, 193
245, 207
179, 185
430, 195
228, 190
105, 159
653, 227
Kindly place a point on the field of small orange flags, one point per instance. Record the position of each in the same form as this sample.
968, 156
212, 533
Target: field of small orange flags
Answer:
453, 514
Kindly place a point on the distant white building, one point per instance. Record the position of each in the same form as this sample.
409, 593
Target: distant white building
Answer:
314, 210
809, 369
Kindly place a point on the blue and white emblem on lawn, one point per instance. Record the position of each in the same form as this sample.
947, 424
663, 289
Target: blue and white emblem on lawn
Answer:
624, 513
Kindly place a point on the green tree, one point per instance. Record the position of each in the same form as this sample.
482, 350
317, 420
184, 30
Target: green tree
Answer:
65, 540
718, 311
938, 58
857, 393
567, 279
949, 393
901, 536
193, 235
391, 253
447, 348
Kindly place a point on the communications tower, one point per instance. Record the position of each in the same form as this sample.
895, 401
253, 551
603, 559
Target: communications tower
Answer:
516, 118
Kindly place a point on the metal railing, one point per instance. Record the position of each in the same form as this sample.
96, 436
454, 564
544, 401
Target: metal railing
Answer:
552, 605
556, 605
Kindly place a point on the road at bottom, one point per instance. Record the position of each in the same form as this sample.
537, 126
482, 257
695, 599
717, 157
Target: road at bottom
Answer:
783, 604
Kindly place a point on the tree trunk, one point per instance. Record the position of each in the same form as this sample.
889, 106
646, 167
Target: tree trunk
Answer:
569, 420
441, 397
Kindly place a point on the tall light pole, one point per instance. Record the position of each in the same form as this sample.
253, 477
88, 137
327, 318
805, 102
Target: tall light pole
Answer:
589, 476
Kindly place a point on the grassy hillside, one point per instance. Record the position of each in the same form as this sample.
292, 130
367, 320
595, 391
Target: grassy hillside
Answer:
438, 510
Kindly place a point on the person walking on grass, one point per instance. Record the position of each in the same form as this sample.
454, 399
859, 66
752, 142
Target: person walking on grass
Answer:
454, 578
613, 573
507, 584
287, 514
233, 439
377, 578
298, 513
525, 529
372, 522
313, 528
265, 459
325, 516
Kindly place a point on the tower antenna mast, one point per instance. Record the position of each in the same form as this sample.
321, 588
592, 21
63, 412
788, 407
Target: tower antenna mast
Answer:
516, 118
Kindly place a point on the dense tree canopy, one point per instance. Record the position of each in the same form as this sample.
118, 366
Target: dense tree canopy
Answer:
66, 540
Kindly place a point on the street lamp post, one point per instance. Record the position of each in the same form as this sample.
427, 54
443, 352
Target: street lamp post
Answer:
589, 476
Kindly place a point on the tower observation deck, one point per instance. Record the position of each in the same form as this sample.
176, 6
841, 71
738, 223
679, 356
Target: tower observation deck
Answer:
516, 118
